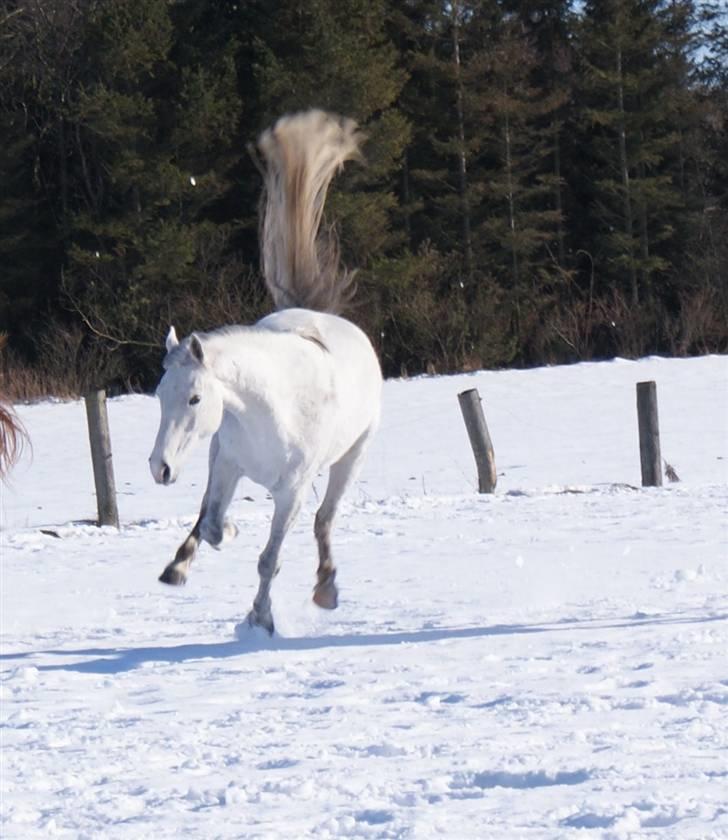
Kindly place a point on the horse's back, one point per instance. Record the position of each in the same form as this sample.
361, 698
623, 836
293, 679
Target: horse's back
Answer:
347, 344
338, 334
349, 355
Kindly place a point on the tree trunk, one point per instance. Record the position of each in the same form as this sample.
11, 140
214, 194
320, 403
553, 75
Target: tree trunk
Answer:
406, 197
626, 187
511, 201
558, 196
462, 158
63, 173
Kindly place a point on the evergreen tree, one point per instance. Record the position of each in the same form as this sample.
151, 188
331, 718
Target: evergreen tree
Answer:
134, 128
631, 94
154, 140
549, 24
336, 56
520, 222
40, 47
702, 264
481, 179
435, 40
542, 180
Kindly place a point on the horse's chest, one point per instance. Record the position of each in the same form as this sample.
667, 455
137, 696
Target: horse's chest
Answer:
258, 447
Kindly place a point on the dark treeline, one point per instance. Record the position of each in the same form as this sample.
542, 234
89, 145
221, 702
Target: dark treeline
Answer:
544, 181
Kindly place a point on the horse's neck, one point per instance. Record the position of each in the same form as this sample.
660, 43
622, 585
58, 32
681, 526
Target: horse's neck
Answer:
247, 363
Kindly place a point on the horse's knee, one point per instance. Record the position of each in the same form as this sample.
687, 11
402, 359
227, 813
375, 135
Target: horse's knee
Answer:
212, 531
215, 530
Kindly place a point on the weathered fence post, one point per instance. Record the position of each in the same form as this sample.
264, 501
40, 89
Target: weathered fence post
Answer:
472, 410
649, 434
100, 440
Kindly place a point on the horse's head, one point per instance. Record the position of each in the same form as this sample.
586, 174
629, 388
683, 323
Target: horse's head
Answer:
192, 406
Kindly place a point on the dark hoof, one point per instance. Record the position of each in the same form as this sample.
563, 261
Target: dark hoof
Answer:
173, 576
326, 595
266, 622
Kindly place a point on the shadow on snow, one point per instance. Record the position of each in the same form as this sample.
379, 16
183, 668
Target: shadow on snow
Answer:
115, 660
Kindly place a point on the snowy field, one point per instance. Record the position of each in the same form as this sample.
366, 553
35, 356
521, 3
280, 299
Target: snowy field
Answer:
547, 662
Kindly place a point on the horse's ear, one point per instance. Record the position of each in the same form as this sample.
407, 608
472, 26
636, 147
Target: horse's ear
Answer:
196, 349
172, 340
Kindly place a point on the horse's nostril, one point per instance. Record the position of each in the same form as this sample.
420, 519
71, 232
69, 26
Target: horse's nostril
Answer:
166, 473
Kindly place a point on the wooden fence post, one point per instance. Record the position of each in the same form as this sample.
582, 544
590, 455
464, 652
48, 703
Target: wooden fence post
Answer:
649, 429
100, 440
472, 410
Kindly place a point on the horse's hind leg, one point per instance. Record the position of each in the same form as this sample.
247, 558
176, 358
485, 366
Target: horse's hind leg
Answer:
341, 474
210, 525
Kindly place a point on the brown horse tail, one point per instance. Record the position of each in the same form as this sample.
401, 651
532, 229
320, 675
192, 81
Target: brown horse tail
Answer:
301, 262
12, 436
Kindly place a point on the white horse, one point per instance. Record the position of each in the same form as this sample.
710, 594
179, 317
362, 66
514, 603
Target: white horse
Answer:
297, 392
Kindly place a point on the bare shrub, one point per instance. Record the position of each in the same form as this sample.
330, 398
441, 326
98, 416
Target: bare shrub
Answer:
634, 330
701, 323
68, 364
235, 295
572, 325
421, 317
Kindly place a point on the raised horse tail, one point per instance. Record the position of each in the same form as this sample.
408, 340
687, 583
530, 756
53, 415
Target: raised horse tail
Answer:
301, 262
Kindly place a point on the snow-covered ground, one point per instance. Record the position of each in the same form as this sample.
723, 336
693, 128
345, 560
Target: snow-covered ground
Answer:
547, 662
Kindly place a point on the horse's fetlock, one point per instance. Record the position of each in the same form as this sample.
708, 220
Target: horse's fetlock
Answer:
186, 551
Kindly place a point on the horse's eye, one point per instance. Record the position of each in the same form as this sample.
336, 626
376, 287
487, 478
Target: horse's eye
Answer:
194, 400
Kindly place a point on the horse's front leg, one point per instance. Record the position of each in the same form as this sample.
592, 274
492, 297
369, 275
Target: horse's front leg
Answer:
287, 504
210, 526
176, 572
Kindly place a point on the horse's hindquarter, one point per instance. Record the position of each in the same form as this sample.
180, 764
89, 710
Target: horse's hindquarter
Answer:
357, 383
346, 357
309, 398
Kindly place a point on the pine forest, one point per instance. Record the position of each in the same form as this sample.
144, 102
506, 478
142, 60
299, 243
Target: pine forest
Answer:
543, 181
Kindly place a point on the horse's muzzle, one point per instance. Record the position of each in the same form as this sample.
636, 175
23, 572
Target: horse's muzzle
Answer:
161, 472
